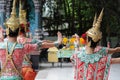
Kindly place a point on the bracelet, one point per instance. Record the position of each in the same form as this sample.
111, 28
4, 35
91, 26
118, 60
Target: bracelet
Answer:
76, 45
56, 43
39, 43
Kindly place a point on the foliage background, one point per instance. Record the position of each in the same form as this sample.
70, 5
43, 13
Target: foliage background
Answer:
79, 15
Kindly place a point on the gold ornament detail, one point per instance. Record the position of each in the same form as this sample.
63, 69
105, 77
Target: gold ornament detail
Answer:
12, 22
22, 18
95, 32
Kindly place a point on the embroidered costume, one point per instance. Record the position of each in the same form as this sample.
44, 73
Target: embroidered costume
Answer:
17, 53
91, 66
11, 52
28, 73
92, 62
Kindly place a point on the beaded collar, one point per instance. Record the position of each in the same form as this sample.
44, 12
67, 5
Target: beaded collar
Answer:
3, 45
91, 58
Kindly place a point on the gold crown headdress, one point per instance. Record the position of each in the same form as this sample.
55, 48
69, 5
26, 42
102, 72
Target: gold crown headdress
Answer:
22, 18
13, 22
95, 32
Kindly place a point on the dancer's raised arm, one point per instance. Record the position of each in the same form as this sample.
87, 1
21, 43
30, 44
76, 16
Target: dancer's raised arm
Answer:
46, 44
113, 50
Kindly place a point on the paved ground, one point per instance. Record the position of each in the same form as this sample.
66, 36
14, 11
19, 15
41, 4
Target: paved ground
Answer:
114, 72
48, 72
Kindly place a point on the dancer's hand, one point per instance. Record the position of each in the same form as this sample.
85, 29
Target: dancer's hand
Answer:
59, 37
77, 38
48, 44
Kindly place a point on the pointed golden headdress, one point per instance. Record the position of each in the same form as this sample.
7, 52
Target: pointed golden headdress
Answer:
22, 18
13, 22
95, 32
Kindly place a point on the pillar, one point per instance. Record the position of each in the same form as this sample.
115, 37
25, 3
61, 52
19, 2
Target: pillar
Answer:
35, 28
2, 12
37, 24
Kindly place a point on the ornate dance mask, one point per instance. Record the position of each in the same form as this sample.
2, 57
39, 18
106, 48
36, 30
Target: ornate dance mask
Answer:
12, 22
95, 32
22, 18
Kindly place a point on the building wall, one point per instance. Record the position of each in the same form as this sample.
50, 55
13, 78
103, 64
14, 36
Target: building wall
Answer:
2, 12
34, 13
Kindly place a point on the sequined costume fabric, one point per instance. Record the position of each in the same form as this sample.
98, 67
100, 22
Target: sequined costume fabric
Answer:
91, 66
17, 56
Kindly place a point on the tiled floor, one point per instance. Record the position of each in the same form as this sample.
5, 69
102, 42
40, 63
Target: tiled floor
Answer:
47, 72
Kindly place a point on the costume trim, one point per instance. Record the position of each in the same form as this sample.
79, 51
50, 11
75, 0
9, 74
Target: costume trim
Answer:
91, 58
